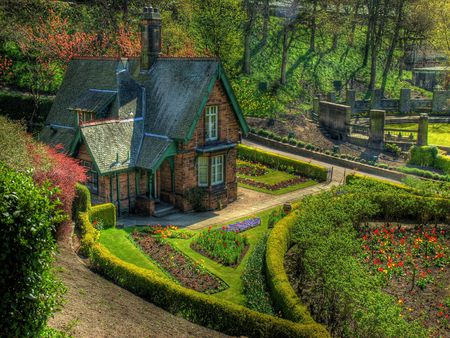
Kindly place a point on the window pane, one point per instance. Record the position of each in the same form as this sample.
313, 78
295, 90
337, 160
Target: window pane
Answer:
217, 170
202, 171
211, 122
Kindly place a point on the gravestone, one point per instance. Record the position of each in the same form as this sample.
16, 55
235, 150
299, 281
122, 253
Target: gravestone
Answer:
376, 131
440, 101
405, 100
422, 136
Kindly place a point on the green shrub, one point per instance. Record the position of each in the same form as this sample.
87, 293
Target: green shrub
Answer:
29, 292
283, 163
257, 296
285, 140
423, 156
423, 173
339, 290
225, 247
300, 144
393, 149
443, 163
106, 213
284, 297
82, 201
293, 141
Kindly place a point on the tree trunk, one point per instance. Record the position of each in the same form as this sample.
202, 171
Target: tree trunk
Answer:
266, 20
393, 45
284, 55
247, 36
312, 41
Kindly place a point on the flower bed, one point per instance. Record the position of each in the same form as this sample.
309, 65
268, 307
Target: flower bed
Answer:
251, 168
225, 247
168, 231
190, 274
272, 187
413, 261
244, 225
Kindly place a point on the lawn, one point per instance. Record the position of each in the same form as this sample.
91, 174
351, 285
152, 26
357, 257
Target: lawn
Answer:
250, 173
120, 244
438, 133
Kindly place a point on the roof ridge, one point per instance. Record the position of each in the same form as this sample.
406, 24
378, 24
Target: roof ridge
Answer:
109, 121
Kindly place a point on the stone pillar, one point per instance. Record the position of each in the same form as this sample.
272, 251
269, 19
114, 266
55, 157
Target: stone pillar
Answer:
440, 101
422, 136
350, 98
376, 131
405, 100
331, 97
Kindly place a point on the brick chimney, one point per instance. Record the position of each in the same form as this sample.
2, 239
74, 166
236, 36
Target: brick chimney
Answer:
150, 37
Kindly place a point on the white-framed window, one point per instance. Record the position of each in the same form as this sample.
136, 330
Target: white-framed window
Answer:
202, 168
211, 124
217, 170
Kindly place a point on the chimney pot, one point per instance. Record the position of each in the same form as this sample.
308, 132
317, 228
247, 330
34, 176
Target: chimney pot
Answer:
150, 37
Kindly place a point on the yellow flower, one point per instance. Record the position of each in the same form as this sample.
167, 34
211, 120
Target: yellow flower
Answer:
400, 301
410, 309
385, 271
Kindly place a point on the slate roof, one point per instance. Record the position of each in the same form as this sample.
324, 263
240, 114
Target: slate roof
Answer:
93, 100
163, 103
114, 145
175, 89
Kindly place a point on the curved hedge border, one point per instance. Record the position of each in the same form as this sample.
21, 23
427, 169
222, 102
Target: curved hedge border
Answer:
284, 296
282, 162
202, 309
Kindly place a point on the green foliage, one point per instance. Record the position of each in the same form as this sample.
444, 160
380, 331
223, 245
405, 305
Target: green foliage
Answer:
226, 247
443, 163
30, 292
198, 308
282, 163
18, 106
257, 296
423, 156
393, 149
82, 201
106, 213
337, 288
423, 173
283, 296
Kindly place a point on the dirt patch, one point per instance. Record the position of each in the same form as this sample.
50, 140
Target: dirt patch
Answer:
96, 307
308, 131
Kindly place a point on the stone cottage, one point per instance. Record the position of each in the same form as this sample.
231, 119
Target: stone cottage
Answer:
155, 132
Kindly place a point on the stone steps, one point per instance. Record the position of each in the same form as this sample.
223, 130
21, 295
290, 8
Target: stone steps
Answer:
164, 209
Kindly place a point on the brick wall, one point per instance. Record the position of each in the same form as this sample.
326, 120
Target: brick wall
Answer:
185, 161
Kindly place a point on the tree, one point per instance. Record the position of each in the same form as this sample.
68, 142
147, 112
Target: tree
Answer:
250, 8
29, 214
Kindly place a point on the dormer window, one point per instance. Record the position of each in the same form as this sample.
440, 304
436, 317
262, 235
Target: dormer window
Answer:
211, 123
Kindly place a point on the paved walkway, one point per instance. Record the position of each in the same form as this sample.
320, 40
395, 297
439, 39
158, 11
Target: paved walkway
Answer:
249, 202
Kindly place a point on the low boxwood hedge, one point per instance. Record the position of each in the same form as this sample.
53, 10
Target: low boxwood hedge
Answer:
280, 162
82, 201
105, 212
443, 163
199, 308
283, 295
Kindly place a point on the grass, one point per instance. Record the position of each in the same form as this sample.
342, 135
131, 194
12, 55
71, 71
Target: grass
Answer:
273, 177
231, 276
119, 243
438, 133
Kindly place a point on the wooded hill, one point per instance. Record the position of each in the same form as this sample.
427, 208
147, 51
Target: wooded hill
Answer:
279, 54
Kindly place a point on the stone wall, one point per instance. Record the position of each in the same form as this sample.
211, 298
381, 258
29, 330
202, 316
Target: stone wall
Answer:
405, 104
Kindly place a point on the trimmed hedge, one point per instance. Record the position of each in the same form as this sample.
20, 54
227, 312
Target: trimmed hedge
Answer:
280, 162
423, 156
357, 178
424, 173
82, 201
105, 212
283, 295
443, 163
199, 308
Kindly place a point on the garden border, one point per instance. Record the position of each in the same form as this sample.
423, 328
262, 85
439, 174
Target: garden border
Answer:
283, 294
202, 309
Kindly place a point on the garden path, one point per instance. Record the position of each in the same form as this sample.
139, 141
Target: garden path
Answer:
96, 307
